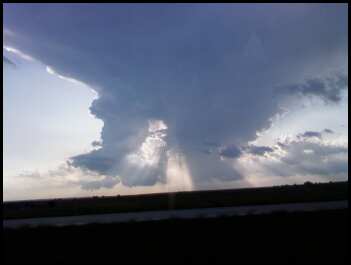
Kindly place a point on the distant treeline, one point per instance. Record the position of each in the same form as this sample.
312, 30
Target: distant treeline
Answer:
308, 192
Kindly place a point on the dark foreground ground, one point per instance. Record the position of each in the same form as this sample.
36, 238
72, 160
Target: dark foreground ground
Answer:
308, 192
301, 238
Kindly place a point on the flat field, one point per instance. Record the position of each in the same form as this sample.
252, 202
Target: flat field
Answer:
179, 200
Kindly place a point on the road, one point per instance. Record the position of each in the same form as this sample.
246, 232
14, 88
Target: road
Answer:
169, 214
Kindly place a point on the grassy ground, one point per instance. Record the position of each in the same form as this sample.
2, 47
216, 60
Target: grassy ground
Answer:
299, 238
181, 200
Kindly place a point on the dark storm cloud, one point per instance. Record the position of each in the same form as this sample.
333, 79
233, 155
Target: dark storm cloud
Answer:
314, 134
258, 150
96, 143
94, 161
328, 89
310, 134
211, 144
7, 61
328, 131
230, 152
208, 71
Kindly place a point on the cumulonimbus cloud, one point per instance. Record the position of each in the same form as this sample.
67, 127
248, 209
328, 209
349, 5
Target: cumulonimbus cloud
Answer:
192, 67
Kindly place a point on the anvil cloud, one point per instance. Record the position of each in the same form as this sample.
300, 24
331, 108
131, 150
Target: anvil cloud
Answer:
198, 73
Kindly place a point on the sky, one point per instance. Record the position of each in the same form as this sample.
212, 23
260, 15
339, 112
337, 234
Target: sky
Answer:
106, 99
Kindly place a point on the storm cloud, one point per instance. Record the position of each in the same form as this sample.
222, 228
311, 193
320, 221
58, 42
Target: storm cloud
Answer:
230, 151
328, 131
7, 61
258, 150
208, 72
303, 157
315, 158
310, 134
328, 89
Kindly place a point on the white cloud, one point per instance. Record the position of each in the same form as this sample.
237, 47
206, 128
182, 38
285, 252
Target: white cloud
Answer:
298, 158
18, 53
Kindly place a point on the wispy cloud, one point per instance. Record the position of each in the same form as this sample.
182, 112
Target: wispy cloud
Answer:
18, 53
